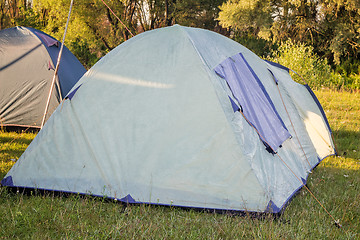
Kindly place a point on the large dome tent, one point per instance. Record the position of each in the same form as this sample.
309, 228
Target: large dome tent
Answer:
27, 62
184, 117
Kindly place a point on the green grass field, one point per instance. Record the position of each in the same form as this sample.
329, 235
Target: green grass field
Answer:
335, 182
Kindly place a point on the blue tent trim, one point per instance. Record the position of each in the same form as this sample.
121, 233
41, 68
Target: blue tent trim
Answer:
272, 74
71, 95
272, 208
7, 182
277, 65
127, 199
303, 180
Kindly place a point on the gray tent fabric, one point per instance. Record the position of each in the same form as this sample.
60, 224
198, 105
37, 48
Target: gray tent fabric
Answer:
152, 122
27, 62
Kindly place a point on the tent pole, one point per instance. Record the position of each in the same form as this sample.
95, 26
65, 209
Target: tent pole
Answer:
57, 67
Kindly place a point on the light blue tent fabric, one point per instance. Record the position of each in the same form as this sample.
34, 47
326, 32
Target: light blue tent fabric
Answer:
152, 122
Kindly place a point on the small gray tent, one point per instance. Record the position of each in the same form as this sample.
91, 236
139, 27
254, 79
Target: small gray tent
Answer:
185, 117
27, 62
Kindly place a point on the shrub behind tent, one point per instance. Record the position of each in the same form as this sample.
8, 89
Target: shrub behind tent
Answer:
27, 61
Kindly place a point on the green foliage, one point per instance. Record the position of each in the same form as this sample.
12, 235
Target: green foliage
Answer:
29, 18
348, 67
302, 59
12, 145
18, 13
335, 182
341, 21
94, 30
343, 112
331, 27
351, 82
82, 51
195, 13
246, 16
259, 46
314, 70
90, 27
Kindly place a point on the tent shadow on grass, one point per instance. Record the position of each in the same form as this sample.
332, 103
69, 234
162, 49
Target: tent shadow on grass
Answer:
345, 139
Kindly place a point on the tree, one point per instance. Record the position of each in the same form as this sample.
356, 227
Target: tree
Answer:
331, 27
249, 17
197, 13
342, 22
17, 12
94, 30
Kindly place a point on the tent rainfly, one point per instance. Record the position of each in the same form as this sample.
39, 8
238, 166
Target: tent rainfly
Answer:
27, 62
184, 117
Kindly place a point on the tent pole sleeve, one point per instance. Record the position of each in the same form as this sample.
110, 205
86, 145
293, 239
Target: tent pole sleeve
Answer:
57, 67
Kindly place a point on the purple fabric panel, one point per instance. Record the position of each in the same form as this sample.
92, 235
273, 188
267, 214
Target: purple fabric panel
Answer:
263, 89
257, 106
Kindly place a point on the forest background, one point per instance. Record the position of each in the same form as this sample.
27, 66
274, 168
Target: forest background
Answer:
320, 39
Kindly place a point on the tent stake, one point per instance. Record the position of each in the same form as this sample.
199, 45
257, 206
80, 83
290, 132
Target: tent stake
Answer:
57, 67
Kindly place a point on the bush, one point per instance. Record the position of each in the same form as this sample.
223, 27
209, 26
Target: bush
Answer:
301, 58
348, 67
315, 70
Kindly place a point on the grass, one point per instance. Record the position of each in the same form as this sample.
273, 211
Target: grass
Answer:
335, 182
